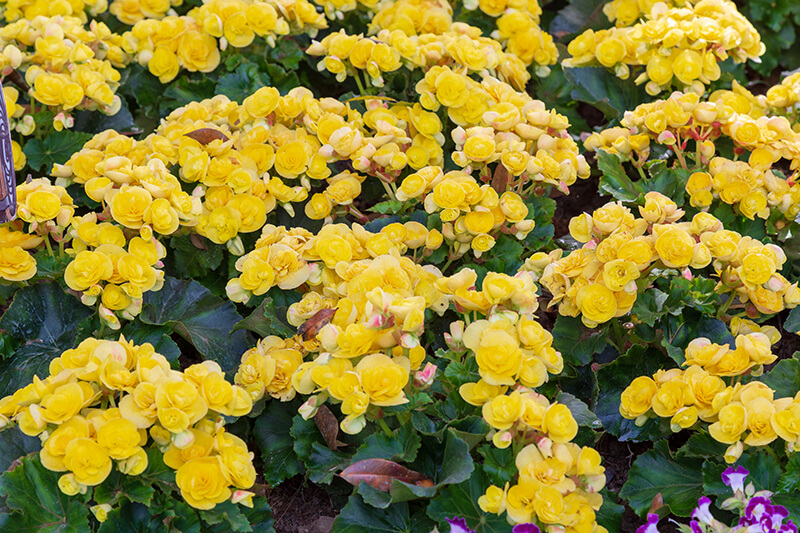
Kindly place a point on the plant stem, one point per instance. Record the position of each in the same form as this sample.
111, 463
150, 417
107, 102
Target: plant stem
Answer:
361, 90
48, 246
385, 427
725, 306
620, 337
389, 190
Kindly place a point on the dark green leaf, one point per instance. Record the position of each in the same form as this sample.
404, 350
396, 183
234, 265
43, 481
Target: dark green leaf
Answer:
603, 90
46, 319
614, 378
271, 434
790, 479
55, 148
287, 53
541, 209
401, 447
158, 336
31, 492
580, 411
357, 517
702, 445
792, 322
228, 516
192, 262
610, 514
387, 207
266, 320
244, 81
459, 373
462, 500
15, 444
784, 378
198, 316
615, 181
680, 483
119, 486
578, 15
498, 464
576, 342
649, 306
129, 517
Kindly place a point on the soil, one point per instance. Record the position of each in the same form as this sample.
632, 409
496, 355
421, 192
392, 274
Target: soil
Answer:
299, 506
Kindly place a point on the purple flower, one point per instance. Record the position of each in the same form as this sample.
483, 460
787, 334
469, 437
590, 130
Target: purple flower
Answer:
526, 528
756, 508
651, 526
734, 477
458, 525
702, 512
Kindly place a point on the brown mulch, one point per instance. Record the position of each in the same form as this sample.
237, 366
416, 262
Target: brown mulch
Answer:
299, 506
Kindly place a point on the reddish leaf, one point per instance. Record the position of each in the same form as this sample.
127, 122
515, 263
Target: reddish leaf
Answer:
328, 425
658, 503
206, 135
500, 179
197, 241
379, 473
311, 327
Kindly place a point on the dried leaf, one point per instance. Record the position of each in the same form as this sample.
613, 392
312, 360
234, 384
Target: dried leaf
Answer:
658, 503
379, 473
311, 327
206, 135
198, 241
328, 425
500, 179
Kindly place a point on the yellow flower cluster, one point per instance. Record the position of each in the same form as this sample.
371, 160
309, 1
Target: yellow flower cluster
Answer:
627, 12
182, 412
190, 42
784, 96
413, 17
43, 211
109, 275
132, 11
14, 10
559, 482
677, 45
462, 46
599, 281
750, 186
288, 259
16, 262
699, 393
470, 213
67, 66
375, 300
18, 120
682, 117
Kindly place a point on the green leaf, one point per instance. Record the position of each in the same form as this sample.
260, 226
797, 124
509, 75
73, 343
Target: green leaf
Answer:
790, 479
388, 207
615, 181
765, 473
470, 429
46, 319
505, 256
603, 90
680, 483
680, 331
357, 517
187, 88
228, 516
267, 319
119, 486
541, 209
579, 15
576, 342
198, 316
498, 464
192, 262
669, 181
459, 373
31, 492
614, 378
649, 306
15, 444
130, 517
610, 514
792, 322
287, 53
702, 445
55, 148
462, 500
158, 336
784, 378
309, 445
401, 447
271, 435
241, 83
580, 411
